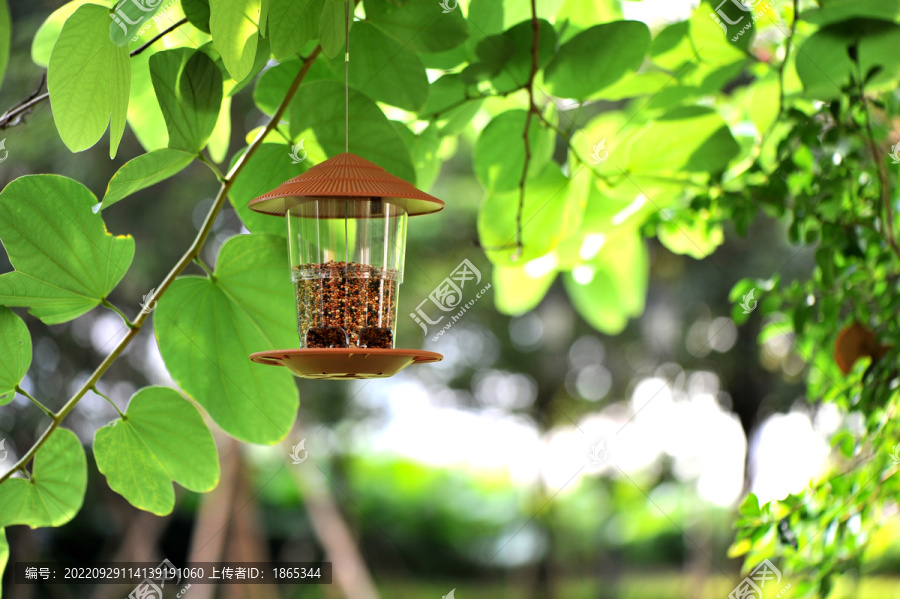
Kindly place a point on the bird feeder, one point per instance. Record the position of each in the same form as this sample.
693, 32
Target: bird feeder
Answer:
346, 223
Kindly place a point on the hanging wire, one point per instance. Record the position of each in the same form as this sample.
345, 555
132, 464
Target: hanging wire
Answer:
346, 122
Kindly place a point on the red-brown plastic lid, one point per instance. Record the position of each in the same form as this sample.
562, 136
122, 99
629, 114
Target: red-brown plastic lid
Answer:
346, 176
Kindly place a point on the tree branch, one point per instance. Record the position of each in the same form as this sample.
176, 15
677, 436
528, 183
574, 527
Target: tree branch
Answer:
532, 109
15, 114
192, 252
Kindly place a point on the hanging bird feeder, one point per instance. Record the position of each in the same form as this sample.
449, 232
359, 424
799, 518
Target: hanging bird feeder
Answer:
346, 221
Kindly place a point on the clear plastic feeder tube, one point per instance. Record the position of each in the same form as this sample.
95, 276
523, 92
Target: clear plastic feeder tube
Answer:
347, 265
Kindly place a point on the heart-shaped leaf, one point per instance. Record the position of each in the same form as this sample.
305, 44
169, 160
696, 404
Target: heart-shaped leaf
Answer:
15, 353
55, 492
207, 328
66, 261
161, 439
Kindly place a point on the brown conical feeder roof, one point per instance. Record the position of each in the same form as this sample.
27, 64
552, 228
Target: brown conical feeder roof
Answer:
346, 176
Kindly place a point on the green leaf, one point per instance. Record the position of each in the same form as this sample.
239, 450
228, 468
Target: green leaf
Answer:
4, 552
418, 24
320, 106
161, 439
750, 506
270, 166
613, 287
234, 28
447, 92
596, 58
293, 23
144, 171
5, 38
88, 79
384, 70
499, 155
145, 117
517, 290
197, 12
48, 32
550, 214
207, 328
509, 56
66, 262
56, 490
691, 138
698, 238
189, 88
128, 18
15, 353
333, 27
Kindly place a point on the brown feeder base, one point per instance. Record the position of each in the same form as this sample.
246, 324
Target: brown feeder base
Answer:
342, 363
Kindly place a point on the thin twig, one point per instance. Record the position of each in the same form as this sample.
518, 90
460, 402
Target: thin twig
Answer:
110, 401
192, 252
16, 113
106, 303
43, 408
532, 109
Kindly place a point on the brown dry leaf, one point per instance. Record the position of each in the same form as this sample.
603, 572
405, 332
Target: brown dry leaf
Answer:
854, 342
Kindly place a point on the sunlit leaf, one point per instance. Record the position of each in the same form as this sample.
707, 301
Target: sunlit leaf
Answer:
234, 28
15, 353
48, 32
596, 58
293, 23
197, 12
56, 490
189, 88
207, 328
142, 172
517, 291
66, 262
88, 79
499, 155
333, 27
418, 24
129, 17
161, 439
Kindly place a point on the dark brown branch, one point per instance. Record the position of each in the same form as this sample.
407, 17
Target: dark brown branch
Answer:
532, 109
15, 115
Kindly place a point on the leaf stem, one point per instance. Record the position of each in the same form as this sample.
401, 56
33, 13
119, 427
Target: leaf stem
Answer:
212, 166
43, 408
192, 252
159, 36
106, 303
111, 402
199, 262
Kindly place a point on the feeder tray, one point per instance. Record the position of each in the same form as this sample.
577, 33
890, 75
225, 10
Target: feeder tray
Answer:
345, 363
346, 220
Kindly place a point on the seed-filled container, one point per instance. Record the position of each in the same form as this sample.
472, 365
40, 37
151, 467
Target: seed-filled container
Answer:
347, 266
346, 221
